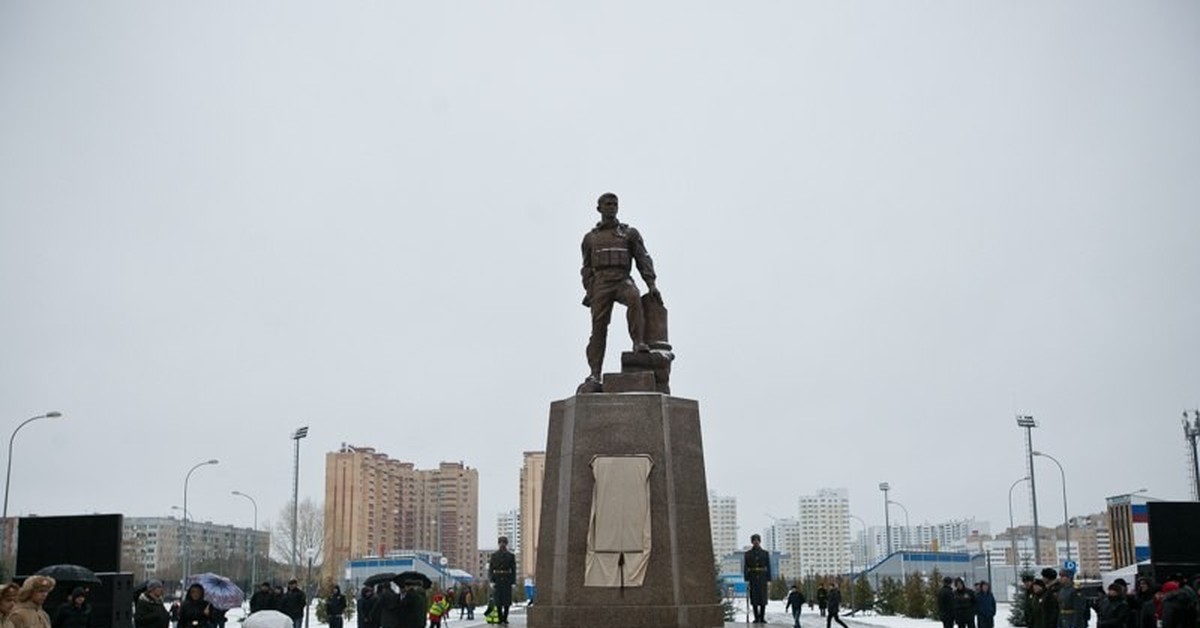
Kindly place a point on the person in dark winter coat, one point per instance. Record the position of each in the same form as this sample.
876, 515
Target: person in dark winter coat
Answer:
466, 603
195, 611
1178, 608
985, 606
964, 604
756, 571
795, 600
1050, 605
149, 611
1112, 611
335, 607
834, 606
263, 599
293, 603
386, 611
412, 605
1072, 611
74, 613
945, 603
1145, 602
502, 573
822, 599
366, 607
1037, 605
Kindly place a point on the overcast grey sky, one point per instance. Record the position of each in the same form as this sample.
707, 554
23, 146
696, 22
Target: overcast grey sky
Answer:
881, 229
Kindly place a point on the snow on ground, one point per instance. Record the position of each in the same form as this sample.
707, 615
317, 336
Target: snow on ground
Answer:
811, 618
776, 616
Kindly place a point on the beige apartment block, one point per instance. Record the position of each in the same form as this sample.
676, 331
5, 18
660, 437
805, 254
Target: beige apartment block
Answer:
532, 471
376, 505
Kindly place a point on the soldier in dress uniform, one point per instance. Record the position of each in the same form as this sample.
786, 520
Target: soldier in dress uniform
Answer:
609, 252
756, 569
502, 572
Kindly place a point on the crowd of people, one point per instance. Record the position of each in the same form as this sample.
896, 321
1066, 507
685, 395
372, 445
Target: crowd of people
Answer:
966, 607
23, 606
1053, 601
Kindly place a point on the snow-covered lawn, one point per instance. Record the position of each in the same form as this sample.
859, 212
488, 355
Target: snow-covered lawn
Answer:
777, 615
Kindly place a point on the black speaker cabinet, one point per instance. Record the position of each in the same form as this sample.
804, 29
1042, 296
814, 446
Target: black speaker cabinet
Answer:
92, 541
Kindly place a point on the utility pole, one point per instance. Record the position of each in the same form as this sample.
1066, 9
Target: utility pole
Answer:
887, 522
1192, 431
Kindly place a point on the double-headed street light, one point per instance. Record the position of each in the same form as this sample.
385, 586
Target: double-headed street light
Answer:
253, 540
1066, 517
8, 476
187, 538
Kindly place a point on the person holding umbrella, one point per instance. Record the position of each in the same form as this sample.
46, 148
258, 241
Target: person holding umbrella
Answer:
31, 597
412, 605
75, 612
366, 607
195, 611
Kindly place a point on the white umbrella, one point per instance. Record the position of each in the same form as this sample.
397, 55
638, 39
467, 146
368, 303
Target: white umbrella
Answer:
267, 619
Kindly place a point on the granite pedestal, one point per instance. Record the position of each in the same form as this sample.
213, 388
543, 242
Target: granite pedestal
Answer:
679, 590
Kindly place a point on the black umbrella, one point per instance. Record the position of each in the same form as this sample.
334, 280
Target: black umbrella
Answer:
69, 573
413, 576
378, 578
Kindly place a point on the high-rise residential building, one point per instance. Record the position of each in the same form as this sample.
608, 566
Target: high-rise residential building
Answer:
533, 470
956, 535
1089, 544
722, 515
784, 537
151, 548
508, 524
825, 532
375, 505
1128, 529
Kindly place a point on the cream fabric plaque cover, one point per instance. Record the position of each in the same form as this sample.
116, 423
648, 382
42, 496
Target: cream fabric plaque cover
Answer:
618, 547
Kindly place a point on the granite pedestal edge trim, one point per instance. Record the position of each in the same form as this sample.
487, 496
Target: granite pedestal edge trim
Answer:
563, 521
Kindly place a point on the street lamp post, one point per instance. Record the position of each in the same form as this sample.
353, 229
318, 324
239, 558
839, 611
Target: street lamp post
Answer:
1012, 534
1066, 516
1027, 423
187, 539
253, 541
296, 436
8, 477
311, 553
853, 575
887, 522
907, 525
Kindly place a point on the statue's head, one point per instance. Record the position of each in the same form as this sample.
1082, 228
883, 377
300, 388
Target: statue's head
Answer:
607, 206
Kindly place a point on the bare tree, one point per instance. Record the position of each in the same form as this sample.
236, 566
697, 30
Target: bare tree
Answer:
311, 533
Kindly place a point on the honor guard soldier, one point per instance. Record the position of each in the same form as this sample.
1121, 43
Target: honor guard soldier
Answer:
756, 569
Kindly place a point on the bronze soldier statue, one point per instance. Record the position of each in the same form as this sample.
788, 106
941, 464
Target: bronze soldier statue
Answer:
609, 252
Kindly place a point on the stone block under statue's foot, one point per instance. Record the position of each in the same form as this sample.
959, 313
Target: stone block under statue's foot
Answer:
669, 582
